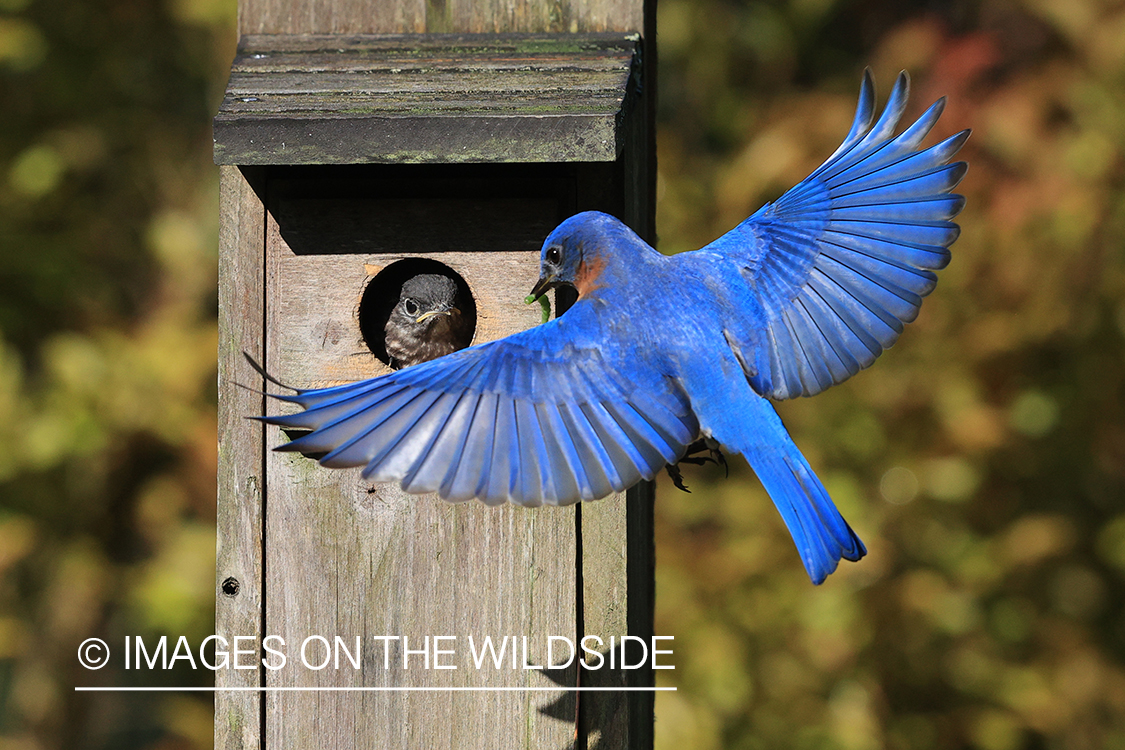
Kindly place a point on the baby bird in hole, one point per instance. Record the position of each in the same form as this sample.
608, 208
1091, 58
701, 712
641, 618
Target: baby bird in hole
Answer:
426, 323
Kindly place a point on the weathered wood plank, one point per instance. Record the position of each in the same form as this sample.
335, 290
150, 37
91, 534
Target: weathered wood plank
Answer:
418, 16
238, 580
430, 99
433, 140
351, 559
484, 46
315, 299
438, 93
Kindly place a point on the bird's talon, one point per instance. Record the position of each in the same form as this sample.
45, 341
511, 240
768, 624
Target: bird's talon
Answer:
677, 477
719, 459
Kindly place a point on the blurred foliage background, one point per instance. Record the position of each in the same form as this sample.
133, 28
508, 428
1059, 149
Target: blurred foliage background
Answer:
982, 459
108, 246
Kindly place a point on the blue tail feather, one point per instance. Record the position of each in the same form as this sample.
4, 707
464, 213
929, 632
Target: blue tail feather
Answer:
821, 534
746, 423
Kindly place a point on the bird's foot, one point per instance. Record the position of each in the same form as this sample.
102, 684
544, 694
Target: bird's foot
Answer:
691, 456
677, 477
708, 446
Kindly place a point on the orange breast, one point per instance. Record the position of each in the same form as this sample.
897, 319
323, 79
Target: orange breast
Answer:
586, 280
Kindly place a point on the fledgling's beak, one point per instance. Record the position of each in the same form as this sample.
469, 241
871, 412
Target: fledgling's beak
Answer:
435, 313
545, 284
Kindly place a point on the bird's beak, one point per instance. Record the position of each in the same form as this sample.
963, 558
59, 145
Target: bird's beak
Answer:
435, 313
542, 286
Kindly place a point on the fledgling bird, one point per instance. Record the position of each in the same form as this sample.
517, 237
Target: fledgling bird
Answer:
660, 351
426, 323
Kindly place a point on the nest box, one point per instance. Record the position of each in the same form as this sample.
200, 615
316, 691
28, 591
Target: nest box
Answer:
350, 164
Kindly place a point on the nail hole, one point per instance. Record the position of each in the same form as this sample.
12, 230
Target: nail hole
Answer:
230, 587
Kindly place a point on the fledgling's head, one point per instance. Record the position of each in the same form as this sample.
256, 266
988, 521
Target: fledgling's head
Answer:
425, 298
577, 251
426, 323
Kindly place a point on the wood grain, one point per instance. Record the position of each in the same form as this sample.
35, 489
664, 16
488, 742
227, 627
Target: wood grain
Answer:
425, 99
351, 559
241, 483
418, 16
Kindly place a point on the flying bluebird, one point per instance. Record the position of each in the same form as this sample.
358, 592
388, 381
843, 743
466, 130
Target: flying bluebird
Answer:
659, 351
425, 323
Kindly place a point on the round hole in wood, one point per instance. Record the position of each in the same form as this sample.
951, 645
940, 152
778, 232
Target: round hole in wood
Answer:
382, 294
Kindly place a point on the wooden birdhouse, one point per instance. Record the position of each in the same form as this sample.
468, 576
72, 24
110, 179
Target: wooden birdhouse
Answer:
357, 150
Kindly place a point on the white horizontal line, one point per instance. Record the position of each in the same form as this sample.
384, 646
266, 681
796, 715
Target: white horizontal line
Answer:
370, 689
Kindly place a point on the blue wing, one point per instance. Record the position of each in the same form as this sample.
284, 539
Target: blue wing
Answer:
841, 261
544, 416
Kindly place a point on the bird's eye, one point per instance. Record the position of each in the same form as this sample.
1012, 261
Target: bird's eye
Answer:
554, 255
410, 306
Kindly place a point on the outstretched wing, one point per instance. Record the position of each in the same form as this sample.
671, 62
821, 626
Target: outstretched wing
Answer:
841, 261
538, 417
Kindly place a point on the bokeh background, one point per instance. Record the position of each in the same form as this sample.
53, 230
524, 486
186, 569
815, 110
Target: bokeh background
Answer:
982, 459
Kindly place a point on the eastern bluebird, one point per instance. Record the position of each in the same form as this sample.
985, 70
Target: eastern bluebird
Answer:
426, 323
660, 351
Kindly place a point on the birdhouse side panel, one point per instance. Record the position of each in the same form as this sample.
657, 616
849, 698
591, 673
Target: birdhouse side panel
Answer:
238, 565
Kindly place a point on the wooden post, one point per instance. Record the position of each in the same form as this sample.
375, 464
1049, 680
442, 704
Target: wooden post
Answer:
356, 145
